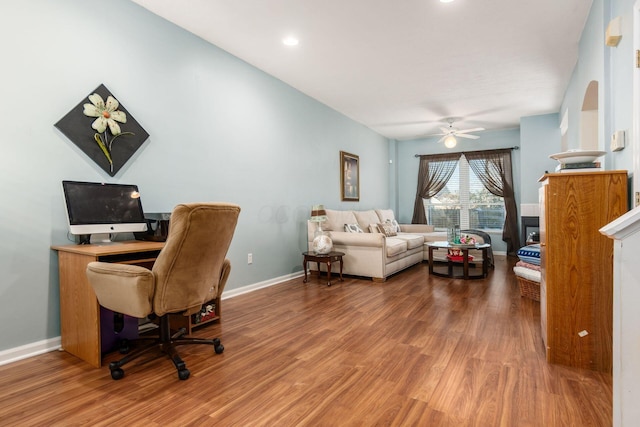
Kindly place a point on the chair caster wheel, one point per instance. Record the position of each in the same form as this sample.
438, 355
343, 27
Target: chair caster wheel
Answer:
183, 374
219, 348
117, 373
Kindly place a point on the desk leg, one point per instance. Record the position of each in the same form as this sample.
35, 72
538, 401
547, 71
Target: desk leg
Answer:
79, 309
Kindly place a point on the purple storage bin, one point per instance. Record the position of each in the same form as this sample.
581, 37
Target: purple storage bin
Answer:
108, 337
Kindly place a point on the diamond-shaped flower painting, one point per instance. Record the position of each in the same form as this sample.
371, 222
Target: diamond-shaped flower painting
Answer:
104, 130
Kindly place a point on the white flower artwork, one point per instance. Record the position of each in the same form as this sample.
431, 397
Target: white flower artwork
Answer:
104, 131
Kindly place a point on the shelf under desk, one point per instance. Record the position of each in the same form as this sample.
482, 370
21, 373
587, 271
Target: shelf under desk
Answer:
79, 309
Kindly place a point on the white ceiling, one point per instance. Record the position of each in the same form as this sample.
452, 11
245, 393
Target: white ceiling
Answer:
403, 67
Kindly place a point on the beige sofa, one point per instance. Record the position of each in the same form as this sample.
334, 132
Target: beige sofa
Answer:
371, 253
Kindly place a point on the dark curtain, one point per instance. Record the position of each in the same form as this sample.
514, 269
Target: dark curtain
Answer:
493, 168
433, 174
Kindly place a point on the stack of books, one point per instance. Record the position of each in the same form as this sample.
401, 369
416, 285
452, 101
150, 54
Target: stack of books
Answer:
579, 167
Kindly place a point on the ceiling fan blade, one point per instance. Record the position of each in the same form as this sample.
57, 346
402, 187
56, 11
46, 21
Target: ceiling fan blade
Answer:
471, 130
432, 135
445, 131
464, 135
442, 139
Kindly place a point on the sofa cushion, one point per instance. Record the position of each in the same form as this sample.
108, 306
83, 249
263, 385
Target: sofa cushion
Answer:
385, 214
353, 228
387, 229
435, 236
337, 219
413, 240
366, 218
395, 246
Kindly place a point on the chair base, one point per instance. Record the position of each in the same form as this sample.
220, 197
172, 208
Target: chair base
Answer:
166, 343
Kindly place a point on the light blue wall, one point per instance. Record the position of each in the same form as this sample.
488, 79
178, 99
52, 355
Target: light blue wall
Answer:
590, 67
393, 175
612, 68
620, 116
407, 166
220, 131
539, 137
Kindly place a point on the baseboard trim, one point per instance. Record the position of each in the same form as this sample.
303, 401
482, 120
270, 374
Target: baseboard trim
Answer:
34, 349
254, 287
29, 350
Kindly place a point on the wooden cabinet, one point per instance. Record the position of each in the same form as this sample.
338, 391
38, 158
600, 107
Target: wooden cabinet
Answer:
576, 289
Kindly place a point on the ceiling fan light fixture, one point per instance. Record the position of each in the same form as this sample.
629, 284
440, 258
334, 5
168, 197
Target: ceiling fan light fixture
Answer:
450, 141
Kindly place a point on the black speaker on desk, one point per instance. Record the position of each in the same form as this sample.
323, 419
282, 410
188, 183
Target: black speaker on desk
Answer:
157, 227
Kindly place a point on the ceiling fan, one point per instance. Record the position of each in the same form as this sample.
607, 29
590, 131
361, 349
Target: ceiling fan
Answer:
449, 134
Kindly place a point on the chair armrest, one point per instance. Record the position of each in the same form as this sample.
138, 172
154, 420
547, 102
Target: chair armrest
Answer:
123, 288
357, 239
224, 275
416, 228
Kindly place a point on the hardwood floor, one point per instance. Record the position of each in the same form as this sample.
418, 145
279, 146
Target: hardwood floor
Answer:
413, 351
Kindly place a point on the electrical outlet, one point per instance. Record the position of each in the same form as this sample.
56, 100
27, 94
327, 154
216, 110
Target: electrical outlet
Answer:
250, 259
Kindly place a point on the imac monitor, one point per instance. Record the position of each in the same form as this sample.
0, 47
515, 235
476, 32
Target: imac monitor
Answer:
98, 208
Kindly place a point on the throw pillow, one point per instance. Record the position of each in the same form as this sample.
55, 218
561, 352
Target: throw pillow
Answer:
530, 254
353, 228
394, 224
387, 229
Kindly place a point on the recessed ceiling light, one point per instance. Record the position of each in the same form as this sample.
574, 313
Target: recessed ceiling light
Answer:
290, 41
446, 1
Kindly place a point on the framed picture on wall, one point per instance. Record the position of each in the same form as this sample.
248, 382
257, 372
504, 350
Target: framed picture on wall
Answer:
91, 124
349, 177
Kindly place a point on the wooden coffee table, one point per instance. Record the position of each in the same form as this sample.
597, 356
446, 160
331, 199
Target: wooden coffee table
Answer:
453, 266
324, 259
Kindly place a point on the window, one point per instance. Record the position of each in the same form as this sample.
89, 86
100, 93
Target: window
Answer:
466, 202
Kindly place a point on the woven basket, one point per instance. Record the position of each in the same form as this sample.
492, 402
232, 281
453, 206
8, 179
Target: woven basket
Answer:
529, 288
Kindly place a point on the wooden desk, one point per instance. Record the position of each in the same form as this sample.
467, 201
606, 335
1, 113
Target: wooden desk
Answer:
79, 309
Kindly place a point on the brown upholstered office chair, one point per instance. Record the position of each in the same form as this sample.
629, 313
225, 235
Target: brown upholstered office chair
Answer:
190, 270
